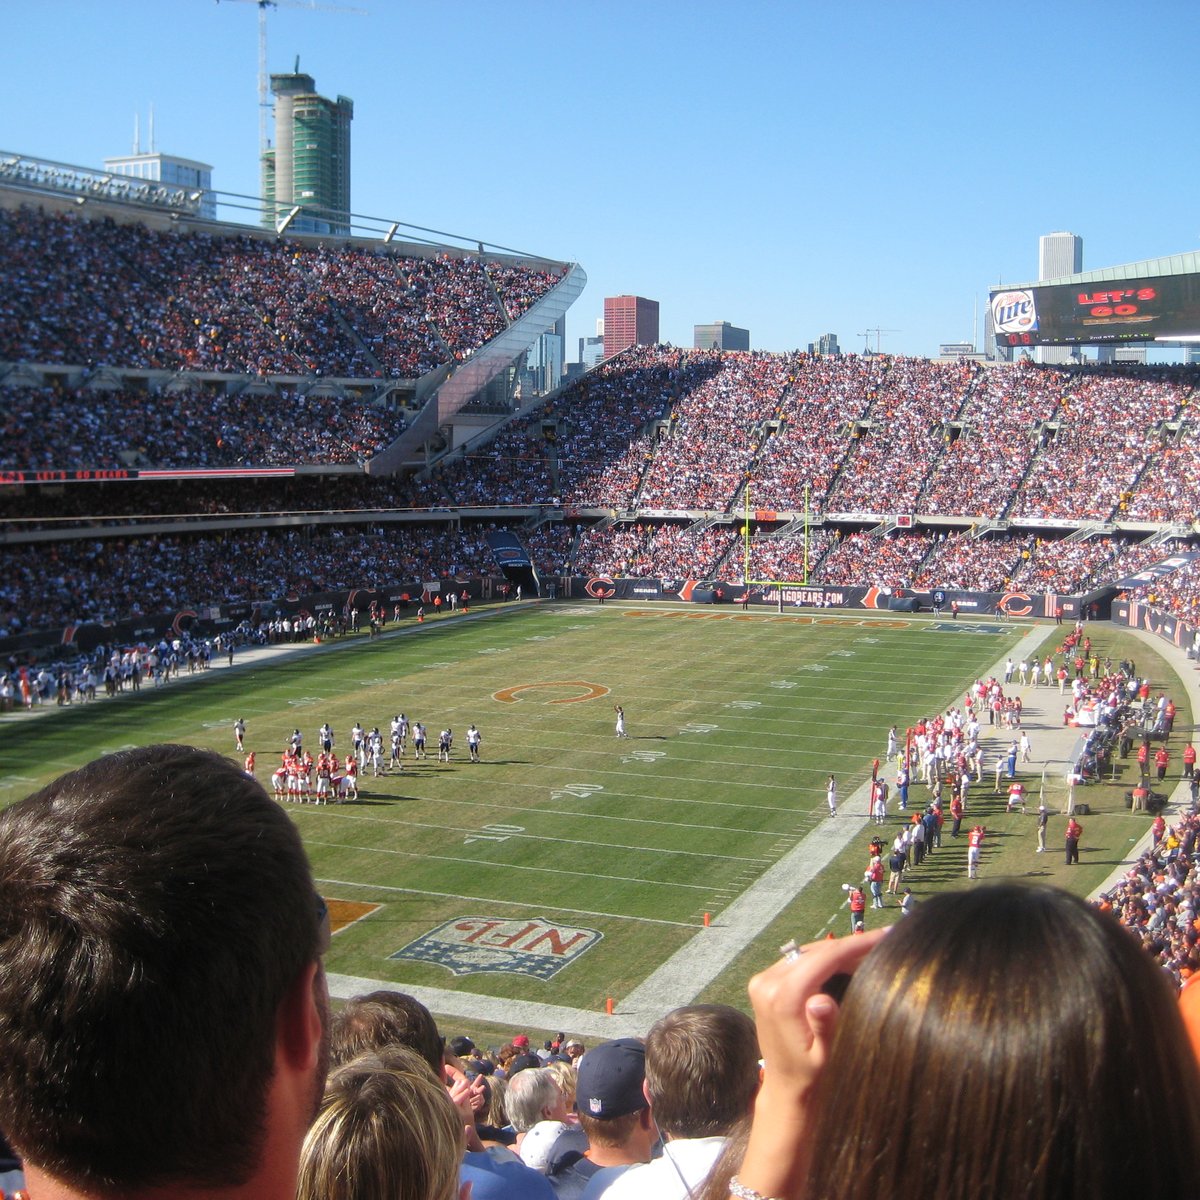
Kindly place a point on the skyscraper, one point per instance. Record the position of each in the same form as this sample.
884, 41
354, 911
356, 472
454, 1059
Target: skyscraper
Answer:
1059, 254
720, 335
629, 321
309, 164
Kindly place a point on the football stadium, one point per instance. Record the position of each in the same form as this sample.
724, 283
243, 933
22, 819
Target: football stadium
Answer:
585, 701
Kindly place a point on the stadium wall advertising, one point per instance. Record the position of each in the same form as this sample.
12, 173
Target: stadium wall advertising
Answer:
1171, 629
1113, 310
1004, 604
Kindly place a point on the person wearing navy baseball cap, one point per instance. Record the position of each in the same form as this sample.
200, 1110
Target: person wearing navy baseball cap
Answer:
610, 1101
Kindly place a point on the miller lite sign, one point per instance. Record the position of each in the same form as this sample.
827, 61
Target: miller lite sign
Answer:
1014, 312
532, 946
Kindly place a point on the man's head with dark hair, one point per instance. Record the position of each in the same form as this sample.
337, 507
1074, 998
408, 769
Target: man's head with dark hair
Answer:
161, 998
370, 1023
701, 1070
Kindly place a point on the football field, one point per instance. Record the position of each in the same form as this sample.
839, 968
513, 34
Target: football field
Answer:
568, 864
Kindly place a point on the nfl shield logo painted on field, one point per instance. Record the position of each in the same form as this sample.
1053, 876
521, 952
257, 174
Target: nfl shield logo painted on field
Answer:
470, 945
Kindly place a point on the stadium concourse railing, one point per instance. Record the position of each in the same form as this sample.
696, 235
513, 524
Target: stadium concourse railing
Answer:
711, 598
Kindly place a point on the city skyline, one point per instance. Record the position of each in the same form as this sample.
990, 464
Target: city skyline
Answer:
875, 168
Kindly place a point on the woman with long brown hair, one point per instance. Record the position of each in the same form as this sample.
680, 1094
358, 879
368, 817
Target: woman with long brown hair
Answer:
1004, 1042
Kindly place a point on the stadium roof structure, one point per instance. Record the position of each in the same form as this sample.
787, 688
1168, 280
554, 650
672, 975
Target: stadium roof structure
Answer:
1187, 263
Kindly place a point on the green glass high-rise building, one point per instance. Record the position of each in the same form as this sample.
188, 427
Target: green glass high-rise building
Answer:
309, 163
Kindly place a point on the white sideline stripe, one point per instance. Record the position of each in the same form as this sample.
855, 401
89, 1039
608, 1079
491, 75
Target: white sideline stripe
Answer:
470, 1006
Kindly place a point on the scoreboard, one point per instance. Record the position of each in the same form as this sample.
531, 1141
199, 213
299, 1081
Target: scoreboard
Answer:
1111, 310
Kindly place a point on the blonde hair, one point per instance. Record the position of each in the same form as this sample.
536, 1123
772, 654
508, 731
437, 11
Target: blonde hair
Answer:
497, 1114
564, 1076
386, 1131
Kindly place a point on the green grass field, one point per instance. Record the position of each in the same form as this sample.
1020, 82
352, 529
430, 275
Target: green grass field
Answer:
734, 722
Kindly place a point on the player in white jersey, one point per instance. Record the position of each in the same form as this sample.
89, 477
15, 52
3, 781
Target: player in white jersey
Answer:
239, 732
445, 742
418, 740
375, 750
474, 737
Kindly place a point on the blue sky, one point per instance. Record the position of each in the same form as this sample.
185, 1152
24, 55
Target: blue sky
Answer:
793, 168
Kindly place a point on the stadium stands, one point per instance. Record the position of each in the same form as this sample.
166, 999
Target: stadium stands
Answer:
995, 466
88, 292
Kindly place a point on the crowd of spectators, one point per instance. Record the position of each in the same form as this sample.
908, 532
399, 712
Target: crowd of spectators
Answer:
1169, 488
60, 428
1159, 898
67, 582
78, 291
825, 398
901, 437
130, 502
603, 423
987, 452
1177, 593
789, 557
959, 560
88, 578
1109, 427
655, 428
650, 551
714, 431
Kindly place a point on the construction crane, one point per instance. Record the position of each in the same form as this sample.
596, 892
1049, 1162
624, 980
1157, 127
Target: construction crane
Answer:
866, 334
264, 94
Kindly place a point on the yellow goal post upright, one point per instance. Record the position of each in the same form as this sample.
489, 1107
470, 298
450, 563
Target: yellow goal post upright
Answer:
747, 582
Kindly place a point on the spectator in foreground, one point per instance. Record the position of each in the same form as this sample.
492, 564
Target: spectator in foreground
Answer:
157, 909
701, 1078
385, 1018
610, 1099
976, 1001
386, 1131
380, 1021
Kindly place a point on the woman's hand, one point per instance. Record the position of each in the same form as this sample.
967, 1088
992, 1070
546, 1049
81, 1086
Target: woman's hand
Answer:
796, 1022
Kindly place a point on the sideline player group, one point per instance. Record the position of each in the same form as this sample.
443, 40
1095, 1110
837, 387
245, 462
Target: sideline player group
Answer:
302, 777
